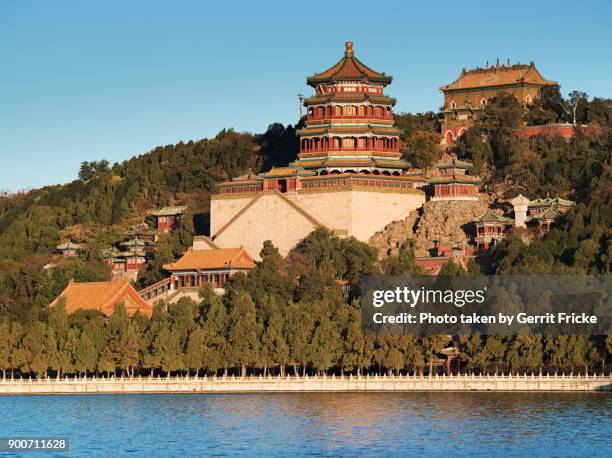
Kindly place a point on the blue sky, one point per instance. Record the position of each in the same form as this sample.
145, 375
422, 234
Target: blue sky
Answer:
91, 80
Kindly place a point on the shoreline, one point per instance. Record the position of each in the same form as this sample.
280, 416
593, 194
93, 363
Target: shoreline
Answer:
314, 384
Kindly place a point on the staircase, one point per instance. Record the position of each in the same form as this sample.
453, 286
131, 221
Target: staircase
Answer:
153, 292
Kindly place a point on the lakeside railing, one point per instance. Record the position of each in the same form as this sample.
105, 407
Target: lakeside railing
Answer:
293, 378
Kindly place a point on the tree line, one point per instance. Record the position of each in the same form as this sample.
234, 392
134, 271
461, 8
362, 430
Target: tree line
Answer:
287, 316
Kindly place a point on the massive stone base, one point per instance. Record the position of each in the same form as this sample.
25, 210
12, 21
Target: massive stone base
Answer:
286, 219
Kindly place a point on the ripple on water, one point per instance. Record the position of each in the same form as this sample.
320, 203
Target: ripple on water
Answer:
323, 424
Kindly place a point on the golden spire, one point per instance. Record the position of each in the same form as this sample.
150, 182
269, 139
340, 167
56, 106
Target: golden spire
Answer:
348, 49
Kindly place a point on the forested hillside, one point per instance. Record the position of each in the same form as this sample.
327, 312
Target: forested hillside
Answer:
106, 199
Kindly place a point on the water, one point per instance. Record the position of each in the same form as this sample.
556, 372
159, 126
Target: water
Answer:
330, 424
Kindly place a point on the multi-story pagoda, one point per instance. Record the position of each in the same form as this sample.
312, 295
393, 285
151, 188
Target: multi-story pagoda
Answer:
349, 125
450, 180
349, 176
142, 232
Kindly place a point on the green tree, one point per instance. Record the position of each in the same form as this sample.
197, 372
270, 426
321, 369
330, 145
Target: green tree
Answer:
216, 330
244, 332
35, 357
431, 347
324, 349
87, 354
299, 326
274, 348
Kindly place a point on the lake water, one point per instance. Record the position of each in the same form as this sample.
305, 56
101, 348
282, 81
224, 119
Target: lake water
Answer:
331, 424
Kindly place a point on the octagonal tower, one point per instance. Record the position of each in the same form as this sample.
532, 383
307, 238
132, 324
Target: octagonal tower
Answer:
349, 126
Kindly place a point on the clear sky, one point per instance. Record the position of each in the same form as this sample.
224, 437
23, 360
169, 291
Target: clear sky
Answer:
91, 80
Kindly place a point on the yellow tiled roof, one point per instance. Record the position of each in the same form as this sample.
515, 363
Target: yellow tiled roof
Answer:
103, 296
221, 258
498, 76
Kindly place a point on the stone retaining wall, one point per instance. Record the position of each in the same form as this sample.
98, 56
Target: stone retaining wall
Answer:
308, 384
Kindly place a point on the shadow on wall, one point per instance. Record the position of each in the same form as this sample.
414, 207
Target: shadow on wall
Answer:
201, 223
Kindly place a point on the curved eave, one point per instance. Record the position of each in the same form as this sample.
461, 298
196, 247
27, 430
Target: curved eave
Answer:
450, 88
352, 98
315, 80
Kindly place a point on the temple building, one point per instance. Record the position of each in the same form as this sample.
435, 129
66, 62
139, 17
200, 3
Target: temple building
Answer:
544, 213
349, 176
142, 232
125, 263
468, 95
68, 249
444, 253
491, 228
103, 296
168, 219
138, 245
541, 205
450, 180
544, 220
198, 267
350, 126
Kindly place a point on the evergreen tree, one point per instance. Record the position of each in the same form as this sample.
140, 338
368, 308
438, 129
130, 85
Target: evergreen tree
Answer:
244, 332
87, 354
324, 348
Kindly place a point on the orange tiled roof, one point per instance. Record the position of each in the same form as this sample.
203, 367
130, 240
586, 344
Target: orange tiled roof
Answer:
498, 76
221, 258
348, 68
103, 296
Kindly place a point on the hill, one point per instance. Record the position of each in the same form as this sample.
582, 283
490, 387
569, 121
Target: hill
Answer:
107, 199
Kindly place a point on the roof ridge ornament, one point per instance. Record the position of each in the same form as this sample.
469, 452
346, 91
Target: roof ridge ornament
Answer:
348, 49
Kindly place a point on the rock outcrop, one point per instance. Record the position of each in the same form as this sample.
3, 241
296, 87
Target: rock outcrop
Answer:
388, 241
447, 222
444, 221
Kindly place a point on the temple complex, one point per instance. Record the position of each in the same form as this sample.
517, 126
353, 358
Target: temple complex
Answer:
349, 176
468, 95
